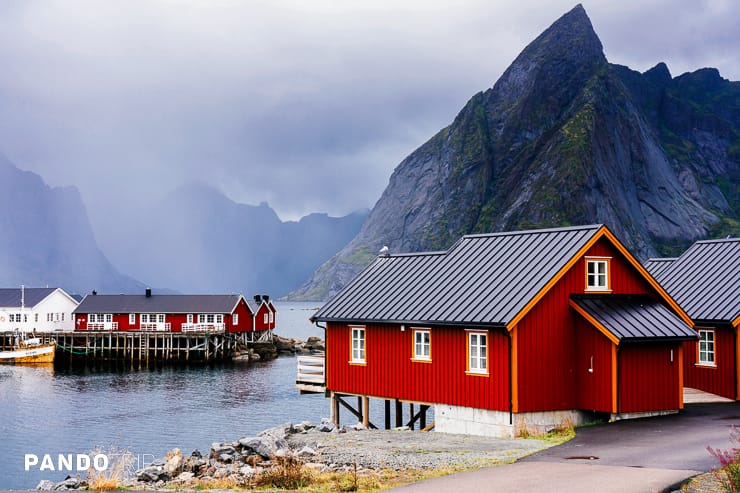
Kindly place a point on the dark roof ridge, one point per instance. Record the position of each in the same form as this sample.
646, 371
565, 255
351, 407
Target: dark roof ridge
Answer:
661, 259
534, 231
414, 254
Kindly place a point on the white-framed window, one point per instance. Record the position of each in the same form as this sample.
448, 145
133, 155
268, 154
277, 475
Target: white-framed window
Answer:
357, 345
422, 345
190, 318
597, 274
706, 348
477, 352
206, 318
131, 318
219, 318
265, 318
235, 319
160, 318
36, 317
62, 317
272, 317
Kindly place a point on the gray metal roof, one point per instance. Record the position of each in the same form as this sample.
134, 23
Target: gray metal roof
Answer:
159, 303
482, 279
705, 280
11, 297
634, 318
656, 266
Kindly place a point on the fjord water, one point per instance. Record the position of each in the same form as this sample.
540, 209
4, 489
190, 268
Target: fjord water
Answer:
147, 412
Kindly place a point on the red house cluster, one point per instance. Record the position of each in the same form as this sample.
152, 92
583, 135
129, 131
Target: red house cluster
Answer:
511, 331
175, 313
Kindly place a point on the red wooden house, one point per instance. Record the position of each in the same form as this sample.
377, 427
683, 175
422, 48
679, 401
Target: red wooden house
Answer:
510, 331
265, 313
165, 312
705, 282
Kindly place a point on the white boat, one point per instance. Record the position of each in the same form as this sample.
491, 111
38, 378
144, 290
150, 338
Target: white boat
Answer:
29, 351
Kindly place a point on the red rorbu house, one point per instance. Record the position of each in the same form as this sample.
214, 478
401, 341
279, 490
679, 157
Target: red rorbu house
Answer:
705, 282
265, 313
166, 312
509, 332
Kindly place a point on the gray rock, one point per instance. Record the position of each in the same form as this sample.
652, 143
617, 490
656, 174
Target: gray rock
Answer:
45, 485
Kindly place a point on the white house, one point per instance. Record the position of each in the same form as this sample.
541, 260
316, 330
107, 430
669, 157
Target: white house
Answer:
40, 309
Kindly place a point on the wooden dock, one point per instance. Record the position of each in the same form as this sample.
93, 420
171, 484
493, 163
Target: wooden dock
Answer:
139, 349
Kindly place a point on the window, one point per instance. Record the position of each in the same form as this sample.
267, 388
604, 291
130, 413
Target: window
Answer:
264, 318
597, 274
36, 317
219, 318
190, 318
11, 317
422, 345
272, 317
478, 353
131, 318
235, 319
62, 317
706, 348
358, 345
160, 318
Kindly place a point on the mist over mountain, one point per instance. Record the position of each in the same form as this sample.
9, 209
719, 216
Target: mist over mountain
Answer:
46, 239
196, 240
565, 138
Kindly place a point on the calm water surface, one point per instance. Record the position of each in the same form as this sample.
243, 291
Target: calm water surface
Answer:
147, 412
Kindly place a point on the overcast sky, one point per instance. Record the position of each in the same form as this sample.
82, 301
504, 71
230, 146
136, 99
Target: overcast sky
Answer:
306, 104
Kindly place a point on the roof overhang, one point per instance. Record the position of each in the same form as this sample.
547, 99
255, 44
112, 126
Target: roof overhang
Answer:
423, 323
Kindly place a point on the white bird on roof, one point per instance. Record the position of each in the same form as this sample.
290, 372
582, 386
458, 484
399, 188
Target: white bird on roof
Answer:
384, 251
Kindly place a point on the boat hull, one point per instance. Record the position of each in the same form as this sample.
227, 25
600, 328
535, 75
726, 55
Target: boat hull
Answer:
32, 355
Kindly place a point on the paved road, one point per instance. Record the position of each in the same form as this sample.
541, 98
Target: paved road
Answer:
652, 454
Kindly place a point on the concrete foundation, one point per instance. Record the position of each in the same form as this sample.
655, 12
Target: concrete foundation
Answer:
502, 424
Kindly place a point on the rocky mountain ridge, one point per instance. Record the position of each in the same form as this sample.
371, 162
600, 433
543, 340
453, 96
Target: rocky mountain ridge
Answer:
565, 138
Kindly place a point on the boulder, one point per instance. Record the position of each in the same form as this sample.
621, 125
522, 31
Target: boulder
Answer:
45, 485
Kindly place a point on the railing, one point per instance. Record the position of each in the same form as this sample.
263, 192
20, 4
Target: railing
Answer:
203, 327
102, 326
311, 370
158, 326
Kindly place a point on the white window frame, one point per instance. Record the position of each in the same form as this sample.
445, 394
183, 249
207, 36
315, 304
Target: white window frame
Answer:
132, 319
707, 348
597, 280
272, 317
358, 345
477, 352
422, 344
235, 319
265, 318
190, 318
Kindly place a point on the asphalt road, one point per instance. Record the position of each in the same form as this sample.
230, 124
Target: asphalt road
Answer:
642, 455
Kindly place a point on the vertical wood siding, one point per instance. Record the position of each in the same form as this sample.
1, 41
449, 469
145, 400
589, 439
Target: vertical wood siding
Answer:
648, 381
390, 372
245, 319
719, 380
547, 339
595, 387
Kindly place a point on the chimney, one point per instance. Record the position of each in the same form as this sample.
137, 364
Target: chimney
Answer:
257, 298
266, 298
94, 293
148, 292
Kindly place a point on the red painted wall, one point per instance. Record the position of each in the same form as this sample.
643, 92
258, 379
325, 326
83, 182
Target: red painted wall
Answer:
721, 379
390, 373
546, 339
594, 387
648, 381
259, 319
244, 319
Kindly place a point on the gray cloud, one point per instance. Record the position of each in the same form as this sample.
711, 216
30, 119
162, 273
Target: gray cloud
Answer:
306, 105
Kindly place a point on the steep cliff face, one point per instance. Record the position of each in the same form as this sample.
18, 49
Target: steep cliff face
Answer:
46, 239
563, 138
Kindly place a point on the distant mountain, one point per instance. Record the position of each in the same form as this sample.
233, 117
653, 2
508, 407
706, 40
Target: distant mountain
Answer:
565, 138
198, 240
46, 239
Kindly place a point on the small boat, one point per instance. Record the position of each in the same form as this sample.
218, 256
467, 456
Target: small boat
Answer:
29, 351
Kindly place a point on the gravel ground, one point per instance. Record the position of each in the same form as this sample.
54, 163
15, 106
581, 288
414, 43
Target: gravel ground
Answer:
376, 449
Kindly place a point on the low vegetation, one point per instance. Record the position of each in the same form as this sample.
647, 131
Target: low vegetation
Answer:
728, 474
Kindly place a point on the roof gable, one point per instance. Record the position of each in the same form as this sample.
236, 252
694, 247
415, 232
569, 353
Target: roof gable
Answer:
705, 280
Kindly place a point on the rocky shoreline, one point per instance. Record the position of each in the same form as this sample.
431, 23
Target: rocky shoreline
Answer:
258, 351
315, 448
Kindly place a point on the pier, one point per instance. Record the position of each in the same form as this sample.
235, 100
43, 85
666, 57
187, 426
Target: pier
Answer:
139, 349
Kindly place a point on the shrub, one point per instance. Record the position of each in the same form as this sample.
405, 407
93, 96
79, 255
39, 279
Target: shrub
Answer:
728, 474
287, 473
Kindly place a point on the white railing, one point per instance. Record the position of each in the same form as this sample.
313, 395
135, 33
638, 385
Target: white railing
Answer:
203, 327
311, 370
158, 326
102, 326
